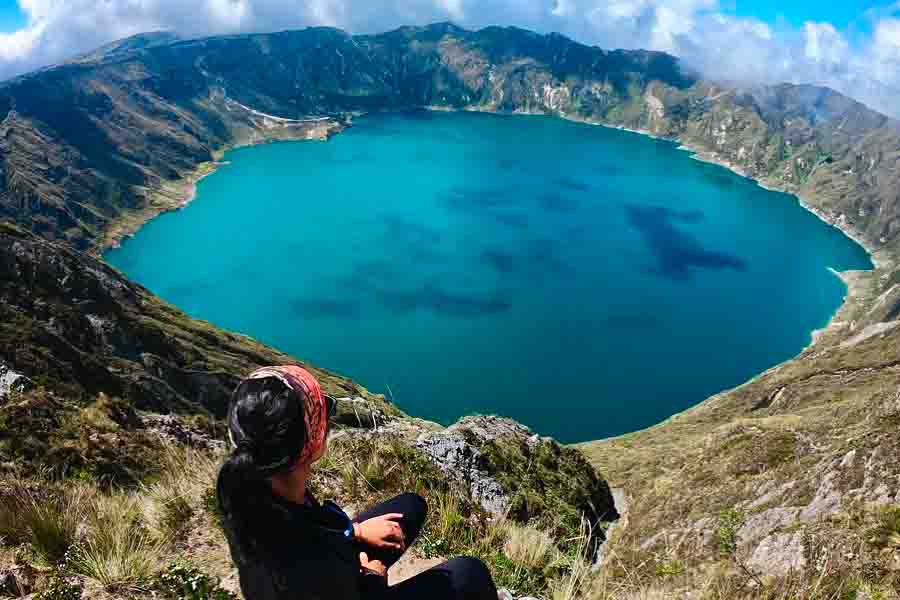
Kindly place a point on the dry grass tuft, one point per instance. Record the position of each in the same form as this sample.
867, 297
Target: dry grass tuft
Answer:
48, 522
528, 547
117, 551
183, 487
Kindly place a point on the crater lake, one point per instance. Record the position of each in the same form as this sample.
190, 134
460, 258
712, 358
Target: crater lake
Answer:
583, 280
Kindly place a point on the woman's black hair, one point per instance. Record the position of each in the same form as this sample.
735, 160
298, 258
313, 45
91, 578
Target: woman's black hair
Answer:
267, 426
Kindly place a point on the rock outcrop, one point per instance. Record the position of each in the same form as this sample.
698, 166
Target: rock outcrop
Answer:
511, 471
12, 382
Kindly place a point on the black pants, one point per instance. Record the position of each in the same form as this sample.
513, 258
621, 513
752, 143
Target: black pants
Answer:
460, 578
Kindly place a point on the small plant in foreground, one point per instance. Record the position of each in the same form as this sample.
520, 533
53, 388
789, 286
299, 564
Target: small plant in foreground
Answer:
726, 530
886, 532
47, 524
117, 551
184, 582
60, 589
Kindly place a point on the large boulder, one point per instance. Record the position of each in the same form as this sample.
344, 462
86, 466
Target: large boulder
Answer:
511, 471
12, 382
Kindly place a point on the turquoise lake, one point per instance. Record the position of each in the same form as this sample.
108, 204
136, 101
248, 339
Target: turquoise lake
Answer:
583, 280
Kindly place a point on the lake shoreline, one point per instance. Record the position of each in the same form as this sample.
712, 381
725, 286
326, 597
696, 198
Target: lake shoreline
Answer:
182, 192
175, 195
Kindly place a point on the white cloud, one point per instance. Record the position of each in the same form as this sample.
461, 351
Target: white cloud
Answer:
703, 32
824, 44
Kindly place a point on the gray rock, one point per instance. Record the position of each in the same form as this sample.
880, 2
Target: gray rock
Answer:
360, 413
779, 554
174, 429
827, 501
461, 461
9, 585
12, 382
762, 524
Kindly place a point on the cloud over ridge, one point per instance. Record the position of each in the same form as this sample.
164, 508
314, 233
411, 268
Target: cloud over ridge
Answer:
861, 62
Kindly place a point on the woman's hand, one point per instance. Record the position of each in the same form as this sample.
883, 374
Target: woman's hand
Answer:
382, 532
374, 566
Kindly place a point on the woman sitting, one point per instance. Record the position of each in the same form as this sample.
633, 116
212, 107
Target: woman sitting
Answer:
287, 545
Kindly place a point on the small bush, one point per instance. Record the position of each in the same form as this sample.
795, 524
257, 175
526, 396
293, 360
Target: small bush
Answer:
185, 582
118, 552
886, 532
578, 579
183, 487
447, 525
60, 589
727, 526
175, 517
48, 523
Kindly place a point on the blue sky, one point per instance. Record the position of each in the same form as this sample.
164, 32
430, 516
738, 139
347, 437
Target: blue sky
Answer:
11, 17
840, 13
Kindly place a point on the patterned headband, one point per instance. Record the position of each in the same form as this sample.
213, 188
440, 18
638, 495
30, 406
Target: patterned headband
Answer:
315, 412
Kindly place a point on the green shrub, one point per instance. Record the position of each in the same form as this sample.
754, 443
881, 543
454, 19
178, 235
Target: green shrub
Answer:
176, 515
886, 532
117, 551
185, 582
727, 526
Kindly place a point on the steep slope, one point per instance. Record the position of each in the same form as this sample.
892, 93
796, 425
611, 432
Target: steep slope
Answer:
792, 479
77, 327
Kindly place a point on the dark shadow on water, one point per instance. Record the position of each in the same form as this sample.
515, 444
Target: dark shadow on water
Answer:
408, 230
502, 262
337, 308
544, 254
512, 220
572, 184
368, 275
560, 203
434, 298
479, 200
678, 253
537, 257
415, 241
608, 170
633, 322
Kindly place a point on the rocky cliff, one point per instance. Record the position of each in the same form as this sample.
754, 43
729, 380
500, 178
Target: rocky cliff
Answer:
785, 487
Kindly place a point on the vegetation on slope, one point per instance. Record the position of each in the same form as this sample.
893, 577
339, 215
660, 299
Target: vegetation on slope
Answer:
786, 487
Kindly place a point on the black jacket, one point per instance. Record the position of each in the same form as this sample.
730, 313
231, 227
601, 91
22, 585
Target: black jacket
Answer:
312, 556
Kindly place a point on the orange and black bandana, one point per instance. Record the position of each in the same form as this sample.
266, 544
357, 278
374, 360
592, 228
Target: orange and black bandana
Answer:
315, 412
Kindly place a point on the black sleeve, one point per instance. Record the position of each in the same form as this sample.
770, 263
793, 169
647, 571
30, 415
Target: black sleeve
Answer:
330, 572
